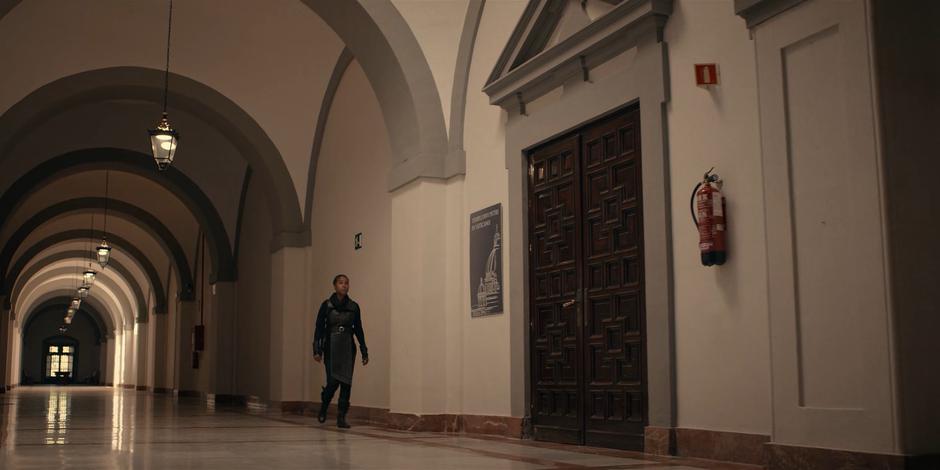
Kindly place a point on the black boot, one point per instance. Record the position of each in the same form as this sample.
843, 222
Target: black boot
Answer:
341, 417
324, 405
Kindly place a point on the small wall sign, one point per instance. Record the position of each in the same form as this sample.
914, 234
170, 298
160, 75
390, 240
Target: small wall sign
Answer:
486, 262
706, 74
357, 240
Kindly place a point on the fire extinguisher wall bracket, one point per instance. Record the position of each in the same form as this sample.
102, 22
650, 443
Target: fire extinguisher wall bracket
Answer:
707, 206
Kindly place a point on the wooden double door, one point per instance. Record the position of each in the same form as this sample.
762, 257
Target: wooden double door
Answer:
587, 322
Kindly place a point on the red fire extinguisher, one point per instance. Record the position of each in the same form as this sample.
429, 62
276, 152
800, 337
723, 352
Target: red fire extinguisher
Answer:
708, 213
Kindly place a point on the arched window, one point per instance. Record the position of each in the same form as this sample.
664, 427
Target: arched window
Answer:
59, 359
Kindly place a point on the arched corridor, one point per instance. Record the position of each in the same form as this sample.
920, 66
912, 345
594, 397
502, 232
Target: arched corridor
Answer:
483, 233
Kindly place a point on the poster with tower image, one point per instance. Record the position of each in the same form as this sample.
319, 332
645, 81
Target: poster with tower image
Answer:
486, 262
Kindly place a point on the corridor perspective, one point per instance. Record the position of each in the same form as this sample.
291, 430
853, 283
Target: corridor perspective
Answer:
469, 234
105, 429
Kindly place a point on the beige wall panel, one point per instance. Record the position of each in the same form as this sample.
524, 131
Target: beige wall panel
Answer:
830, 332
418, 378
485, 358
722, 343
350, 197
253, 302
290, 341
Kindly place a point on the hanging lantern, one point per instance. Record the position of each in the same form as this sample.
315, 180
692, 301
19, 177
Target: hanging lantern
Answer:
83, 291
88, 277
70, 313
103, 252
76, 303
164, 141
63, 329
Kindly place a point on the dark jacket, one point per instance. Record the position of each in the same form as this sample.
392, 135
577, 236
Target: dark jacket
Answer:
337, 322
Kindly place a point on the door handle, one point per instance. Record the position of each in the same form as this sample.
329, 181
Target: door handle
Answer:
568, 303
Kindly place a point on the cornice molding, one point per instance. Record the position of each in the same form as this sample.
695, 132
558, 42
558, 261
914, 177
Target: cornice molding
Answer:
615, 32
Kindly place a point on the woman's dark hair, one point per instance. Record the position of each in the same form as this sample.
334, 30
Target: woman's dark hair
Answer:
336, 279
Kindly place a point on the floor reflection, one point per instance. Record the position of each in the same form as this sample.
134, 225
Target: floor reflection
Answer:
117, 420
106, 428
57, 417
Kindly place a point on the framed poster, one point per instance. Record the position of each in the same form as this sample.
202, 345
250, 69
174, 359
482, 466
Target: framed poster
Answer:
486, 262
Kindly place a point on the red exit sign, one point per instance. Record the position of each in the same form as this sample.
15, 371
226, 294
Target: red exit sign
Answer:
706, 74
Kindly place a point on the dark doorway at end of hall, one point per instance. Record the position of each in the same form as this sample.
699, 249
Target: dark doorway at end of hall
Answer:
60, 354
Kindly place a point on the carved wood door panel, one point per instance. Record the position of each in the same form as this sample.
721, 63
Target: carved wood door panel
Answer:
587, 331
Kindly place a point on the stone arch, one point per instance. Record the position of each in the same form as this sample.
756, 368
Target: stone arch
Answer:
134, 214
186, 94
62, 301
110, 290
159, 292
398, 71
125, 276
187, 292
109, 319
173, 180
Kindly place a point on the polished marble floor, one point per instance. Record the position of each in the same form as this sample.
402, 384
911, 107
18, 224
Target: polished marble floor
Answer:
105, 428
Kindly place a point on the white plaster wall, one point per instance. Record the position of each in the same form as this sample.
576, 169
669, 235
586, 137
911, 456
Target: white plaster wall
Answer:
722, 349
437, 25
833, 383
418, 298
349, 198
253, 303
274, 62
290, 341
484, 362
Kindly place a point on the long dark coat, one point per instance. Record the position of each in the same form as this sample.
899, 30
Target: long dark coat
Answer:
337, 322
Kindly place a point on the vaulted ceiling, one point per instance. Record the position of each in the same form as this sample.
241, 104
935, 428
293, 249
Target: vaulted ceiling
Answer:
85, 82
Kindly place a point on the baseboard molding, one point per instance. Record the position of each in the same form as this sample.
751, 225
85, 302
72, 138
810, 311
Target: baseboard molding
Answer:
360, 414
659, 441
789, 457
129, 386
722, 445
470, 424
756, 449
424, 423
143, 388
707, 444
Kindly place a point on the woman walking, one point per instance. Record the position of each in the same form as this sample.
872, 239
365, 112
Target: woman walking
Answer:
337, 321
